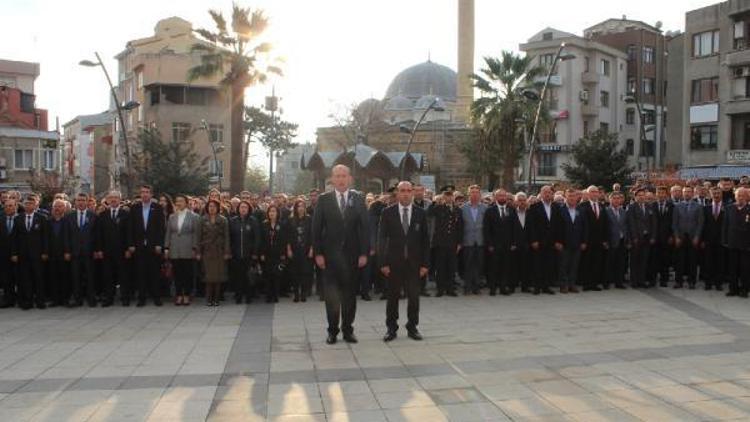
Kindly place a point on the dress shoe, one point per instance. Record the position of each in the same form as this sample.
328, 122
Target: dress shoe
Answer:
452, 294
41, 305
663, 284
424, 293
743, 294
125, 302
331, 339
157, 302
366, 297
492, 292
605, 286
91, 303
350, 338
296, 299
707, 287
691, 286
573, 290
141, 303
563, 290
677, 286
439, 294
6, 305
303, 299
537, 291
107, 303
731, 293
25, 306
414, 335
548, 291
238, 299
389, 336
383, 296
525, 290
719, 288
620, 286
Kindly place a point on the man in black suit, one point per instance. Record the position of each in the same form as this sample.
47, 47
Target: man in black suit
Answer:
575, 234
446, 240
522, 269
499, 220
662, 251
715, 252
641, 230
8, 269
111, 247
597, 241
146, 241
546, 240
735, 236
58, 265
341, 246
81, 222
404, 251
30, 252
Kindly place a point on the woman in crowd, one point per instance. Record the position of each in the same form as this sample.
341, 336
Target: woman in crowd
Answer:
245, 241
273, 247
181, 248
299, 251
167, 273
214, 250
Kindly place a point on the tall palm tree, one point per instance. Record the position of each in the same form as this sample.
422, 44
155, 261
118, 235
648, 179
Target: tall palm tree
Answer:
238, 55
502, 112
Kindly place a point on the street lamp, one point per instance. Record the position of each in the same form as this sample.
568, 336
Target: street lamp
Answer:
216, 148
130, 105
436, 105
632, 99
532, 142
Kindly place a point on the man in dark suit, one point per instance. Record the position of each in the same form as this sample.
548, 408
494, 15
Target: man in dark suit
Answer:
522, 269
736, 238
617, 258
574, 237
662, 251
715, 252
58, 266
597, 241
8, 269
546, 236
111, 249
687, 225
404, 244
146, 242
446, 240
641, 223
341, 246
81, 222
30, 252
499, 220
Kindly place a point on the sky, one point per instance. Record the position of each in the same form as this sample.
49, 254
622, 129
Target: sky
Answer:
337, 52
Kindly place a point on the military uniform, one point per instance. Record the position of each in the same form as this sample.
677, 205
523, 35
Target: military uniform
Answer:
445, 240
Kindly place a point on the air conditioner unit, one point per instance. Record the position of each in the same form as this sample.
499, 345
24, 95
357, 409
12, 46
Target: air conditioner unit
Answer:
742, 72
584, 95
3, 174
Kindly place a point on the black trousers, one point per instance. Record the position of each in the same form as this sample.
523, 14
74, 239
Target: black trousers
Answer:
660, 261
617, 264
9, 280
184, 273
147, 264
687, 261
716, 264
58, 280
116, 270
592, 263
522, 268
273, 278
341, 287
473, 267
240, 276
545, 266
738, 270
404, 276
445, 262
499, 269
82, 276
30, 280
639, 262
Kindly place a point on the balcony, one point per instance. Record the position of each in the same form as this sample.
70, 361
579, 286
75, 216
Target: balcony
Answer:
590, 78
738, 58
738, 105
589, 110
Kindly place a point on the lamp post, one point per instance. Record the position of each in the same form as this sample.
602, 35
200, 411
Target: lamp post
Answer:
130, 105
532, 142
434, 105
631, 99
216, 148
272, 104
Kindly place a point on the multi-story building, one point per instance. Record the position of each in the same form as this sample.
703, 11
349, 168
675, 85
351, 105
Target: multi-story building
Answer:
89, 152
153, 71
288, 168
646, 48
716, 104
27, 148
586, 93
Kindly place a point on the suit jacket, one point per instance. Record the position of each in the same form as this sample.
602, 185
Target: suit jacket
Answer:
641, 225
735, 232
473, 231
664, 221
397, 248
521, 233
112, 235
6, 238
59, 240
687, 218
340, 235
597, 227
31, 243
498, 231
546, 231
575, 232
712, 225
182, 242
447, 224
618, 229
244, 237
153, 234
81, 238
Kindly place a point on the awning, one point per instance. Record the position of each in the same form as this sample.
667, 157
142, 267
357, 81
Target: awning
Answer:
714, 172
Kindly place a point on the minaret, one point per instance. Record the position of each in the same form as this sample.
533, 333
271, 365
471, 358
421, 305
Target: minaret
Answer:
464, 90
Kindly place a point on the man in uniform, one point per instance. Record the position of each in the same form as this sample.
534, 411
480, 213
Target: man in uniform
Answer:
446, 240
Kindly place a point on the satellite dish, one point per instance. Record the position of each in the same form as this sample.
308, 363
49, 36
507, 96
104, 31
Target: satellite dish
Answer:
658, 24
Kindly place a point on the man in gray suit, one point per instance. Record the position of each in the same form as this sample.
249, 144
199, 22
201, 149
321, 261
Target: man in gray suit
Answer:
617, 253
687, 225
473, 241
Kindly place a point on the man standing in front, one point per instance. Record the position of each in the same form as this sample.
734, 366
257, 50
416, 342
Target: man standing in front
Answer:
641, 235
472, 214
687, 226
81, 224
545, 219
146, 240
341, 246
404, 243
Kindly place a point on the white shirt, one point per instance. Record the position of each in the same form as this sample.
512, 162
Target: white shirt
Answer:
181, 219
114, 212
401, 209
548, 210
573, 212
521, 217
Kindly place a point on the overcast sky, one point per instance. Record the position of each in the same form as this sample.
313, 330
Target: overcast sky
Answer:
337, 51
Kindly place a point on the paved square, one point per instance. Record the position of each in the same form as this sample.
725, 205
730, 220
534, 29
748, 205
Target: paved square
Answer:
654, 355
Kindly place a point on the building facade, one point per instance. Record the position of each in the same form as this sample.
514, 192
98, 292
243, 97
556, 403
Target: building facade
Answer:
28, 150
586, 93
288, 168
153, 71
89, 152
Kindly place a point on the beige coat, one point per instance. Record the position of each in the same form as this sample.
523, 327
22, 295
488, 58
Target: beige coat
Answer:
214, 244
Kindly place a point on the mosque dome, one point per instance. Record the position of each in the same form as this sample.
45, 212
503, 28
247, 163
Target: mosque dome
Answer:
426, 78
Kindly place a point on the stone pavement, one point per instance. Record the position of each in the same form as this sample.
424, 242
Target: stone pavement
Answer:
655, 355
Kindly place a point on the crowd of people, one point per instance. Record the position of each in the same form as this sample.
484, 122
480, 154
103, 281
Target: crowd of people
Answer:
84, 250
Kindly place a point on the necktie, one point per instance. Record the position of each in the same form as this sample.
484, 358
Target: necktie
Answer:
9, 224
661, 208
405, 220
716, 210
114, 214
502, 212
596, 210
342, 203
28, 223
80, 219
643, 209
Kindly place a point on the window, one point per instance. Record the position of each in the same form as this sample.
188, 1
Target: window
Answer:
705, 90
23, 159
705, 43
604, 67
647, 148
546, 36
740, 42
630, 116
216, 133
604, 127
585, 128
174, 94
139, 77
648, 86
648, 54
180, 131
48, 159
547, 165
631, 85
552, 99
546, 59
27, 103
604, 98
586, 67
649, 117
632, 52
212, 168
704, 137
197, 96
630, 147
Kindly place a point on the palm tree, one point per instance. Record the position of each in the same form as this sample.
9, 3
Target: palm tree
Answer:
502, 112
242, 60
